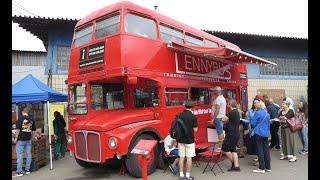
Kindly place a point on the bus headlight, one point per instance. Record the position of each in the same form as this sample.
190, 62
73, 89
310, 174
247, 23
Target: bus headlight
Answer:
69, 139
112, 143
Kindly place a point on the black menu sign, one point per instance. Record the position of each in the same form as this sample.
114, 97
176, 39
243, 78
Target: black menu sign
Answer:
92, 55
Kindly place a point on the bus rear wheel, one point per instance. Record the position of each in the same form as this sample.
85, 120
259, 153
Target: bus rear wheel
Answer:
85, 164
131, 160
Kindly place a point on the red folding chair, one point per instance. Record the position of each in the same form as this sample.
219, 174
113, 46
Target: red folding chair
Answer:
213, 155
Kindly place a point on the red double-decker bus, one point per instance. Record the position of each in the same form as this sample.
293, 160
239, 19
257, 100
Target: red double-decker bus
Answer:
131, 71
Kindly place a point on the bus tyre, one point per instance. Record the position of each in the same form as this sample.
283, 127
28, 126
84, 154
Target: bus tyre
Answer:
85, 164
131, 160
160, 161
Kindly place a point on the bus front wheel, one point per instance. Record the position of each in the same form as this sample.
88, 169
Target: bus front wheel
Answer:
131, 160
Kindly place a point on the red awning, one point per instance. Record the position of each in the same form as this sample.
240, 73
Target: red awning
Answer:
225, 54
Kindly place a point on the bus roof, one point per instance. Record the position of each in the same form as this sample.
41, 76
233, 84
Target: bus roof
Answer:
162, 18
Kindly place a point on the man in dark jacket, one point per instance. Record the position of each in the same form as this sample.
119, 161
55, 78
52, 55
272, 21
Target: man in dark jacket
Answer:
59, 125
274, 126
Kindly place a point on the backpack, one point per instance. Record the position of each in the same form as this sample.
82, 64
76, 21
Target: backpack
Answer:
178, 128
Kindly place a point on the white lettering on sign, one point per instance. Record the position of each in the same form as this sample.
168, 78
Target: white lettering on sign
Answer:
201, 111
187, 60
194, 65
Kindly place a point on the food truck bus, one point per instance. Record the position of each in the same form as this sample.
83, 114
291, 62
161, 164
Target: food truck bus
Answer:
131, 71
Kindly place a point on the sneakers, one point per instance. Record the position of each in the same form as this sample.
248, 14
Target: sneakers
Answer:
294, 159
27, 172
268, 170
189, 178
259, 171
185, 178
255, 159
303, 152
237, 169
19, 174
283, 157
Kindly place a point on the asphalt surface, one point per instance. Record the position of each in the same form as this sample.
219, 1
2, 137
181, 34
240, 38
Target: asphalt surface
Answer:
68, 169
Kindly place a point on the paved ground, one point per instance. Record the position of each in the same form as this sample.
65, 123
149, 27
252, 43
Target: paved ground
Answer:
68, 169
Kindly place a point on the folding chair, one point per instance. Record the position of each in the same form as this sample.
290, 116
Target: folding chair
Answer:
212, 156
166, 157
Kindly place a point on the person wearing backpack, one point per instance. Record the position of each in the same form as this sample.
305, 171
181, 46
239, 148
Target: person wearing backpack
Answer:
260, 124
186, 144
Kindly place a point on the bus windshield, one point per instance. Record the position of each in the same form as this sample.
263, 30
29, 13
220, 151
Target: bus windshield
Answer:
77, 100
107, 96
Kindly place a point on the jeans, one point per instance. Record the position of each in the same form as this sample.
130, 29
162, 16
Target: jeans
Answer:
175, 152
20, 146
274, 128
303, 133
219, 125
263, 150
61, 146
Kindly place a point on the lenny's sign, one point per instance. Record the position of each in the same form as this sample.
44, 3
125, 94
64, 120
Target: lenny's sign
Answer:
195, 65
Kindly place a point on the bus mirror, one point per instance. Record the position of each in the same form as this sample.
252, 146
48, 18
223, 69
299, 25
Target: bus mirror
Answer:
132, 80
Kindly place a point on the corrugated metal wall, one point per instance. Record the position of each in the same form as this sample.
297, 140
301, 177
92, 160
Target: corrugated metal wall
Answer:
26, 58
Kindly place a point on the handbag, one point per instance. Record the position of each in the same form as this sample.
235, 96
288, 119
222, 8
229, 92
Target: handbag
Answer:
295, 124
252, 132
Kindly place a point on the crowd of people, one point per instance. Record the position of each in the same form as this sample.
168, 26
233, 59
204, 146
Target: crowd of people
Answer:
263, 128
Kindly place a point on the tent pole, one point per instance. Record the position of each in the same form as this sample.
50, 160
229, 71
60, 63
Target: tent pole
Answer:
17, 111
50, 147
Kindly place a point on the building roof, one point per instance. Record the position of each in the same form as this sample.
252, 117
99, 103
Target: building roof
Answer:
24, 51
39, 26
234, 34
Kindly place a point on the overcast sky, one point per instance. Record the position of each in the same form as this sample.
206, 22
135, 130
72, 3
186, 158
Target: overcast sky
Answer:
269, 17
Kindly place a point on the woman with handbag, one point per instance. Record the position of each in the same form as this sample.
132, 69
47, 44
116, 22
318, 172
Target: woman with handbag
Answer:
302, 115
260, 132
288, 137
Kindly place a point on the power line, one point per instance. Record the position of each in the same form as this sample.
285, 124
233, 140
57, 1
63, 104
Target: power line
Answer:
15, 9
23, 8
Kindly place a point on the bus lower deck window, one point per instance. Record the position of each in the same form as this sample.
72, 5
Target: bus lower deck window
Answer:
147, 97
107, 96
200, 95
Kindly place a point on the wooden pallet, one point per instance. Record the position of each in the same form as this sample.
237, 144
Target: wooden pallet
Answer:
39, 153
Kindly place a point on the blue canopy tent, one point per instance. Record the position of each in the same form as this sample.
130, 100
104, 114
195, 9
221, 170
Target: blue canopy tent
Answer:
32, 90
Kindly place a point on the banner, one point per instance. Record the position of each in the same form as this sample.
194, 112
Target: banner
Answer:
53, 108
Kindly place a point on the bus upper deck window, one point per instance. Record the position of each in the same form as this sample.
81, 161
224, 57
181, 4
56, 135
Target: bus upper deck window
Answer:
193, 40
211, 44
141, 26
83, 35
108, 26
172, 34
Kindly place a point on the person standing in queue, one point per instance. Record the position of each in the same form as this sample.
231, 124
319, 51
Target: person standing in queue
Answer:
59, 125
218, 111
274, 126
261, 128
229, 146
186, 144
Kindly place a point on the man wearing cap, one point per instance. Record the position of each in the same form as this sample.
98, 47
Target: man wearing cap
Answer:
218, 111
